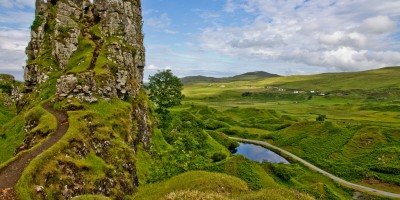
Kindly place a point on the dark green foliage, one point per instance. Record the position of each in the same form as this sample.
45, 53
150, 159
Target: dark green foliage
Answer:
224, 140
191, 147
276, 96
37, 22
246, 94
165, 90
283, 171
321, 118
6, 88
238, 133
382, 108
245, 169
218, 156
387, 169
63, 32
212, 124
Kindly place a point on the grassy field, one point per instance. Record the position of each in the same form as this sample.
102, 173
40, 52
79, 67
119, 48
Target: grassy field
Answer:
358, 140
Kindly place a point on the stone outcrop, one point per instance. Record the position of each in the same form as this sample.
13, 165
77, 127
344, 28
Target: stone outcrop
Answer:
115, 29
81, 53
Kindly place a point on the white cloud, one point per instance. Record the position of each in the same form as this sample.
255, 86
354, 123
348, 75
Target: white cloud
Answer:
339, 38
159, 22
334, 35
12, 50
378, 25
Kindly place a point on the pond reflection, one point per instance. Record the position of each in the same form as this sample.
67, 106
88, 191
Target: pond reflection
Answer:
259, 153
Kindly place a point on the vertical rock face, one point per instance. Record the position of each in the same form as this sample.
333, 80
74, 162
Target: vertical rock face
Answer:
83, 51
90, 50
107, 33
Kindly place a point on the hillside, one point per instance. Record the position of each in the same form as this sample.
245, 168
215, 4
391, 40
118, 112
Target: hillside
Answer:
258, 75
345, 123
372, 79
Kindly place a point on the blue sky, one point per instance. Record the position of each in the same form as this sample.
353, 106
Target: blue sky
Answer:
229, 37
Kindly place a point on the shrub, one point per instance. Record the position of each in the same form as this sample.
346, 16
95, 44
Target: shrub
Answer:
218, 156
246, 94
37, 22
321, 118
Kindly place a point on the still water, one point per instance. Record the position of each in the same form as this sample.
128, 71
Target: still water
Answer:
259, 153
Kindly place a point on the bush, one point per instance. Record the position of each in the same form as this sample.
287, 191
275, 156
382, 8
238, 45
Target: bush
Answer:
218, 156
224, 140
284, 172
246, 94
211, 124
321, 118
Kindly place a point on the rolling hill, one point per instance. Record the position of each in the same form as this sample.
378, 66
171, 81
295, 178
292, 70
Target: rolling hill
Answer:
258, 75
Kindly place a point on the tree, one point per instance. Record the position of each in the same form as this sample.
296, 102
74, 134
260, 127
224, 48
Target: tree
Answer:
165, 90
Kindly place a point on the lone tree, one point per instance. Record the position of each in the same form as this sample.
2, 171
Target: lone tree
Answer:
165, 90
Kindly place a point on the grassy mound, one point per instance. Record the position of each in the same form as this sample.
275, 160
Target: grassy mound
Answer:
198, 182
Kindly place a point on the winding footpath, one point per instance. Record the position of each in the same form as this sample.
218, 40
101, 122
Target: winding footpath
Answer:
331, 176
10, 174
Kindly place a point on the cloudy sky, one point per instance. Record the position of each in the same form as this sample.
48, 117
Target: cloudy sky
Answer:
228, 37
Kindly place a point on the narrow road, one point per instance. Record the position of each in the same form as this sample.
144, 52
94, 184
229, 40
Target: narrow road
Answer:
10, 174
331, 176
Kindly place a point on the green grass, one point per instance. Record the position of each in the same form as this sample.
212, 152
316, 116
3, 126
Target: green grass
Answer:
6, 112
193, 181
12, 133
275, 194
250, 172
91, 197
81, 58
12, 136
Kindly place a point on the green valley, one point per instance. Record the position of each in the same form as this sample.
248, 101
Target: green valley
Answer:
357, 139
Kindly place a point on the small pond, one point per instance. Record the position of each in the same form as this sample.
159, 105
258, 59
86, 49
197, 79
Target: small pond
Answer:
259, 154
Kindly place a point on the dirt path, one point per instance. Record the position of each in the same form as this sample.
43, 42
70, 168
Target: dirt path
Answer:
96, 54
10, 174
331, 176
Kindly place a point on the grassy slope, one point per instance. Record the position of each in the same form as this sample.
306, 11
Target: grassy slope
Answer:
13, 135
194, 181
197, 185
93, 167
361, 140
6, 112
373, 79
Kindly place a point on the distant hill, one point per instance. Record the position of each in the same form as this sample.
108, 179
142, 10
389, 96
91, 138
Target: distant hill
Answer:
250, 76
387, 77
